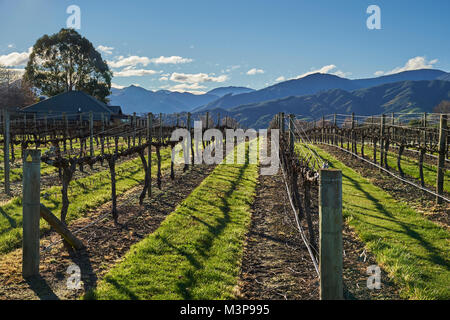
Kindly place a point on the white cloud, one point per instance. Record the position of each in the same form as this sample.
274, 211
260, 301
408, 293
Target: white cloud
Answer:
117, 86
129, 61
328, 69
105, 49
255, 71
15, 59
342, 74
129, 72
185, 87
134, 61
416, 63
170, 60
196, 78
12, 45
164, 78
324, 69
232, 68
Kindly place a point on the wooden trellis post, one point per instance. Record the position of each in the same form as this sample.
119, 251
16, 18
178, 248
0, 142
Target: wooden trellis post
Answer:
425, 129
134, 129
192, 137
374, 142
102, 138
291, 133
441, 159
393, 125
160, 127
91, 134
354, 150
128, 133
149, 152
31, 212
189, 145
331, 248
6, 138
323, 129
65, 135
334, 130
383, 121
158, 154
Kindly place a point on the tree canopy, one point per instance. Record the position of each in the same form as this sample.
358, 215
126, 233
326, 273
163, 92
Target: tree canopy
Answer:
443, 107
14, 92
66, 61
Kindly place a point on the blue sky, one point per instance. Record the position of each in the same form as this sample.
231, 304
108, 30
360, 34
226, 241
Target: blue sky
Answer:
198, 45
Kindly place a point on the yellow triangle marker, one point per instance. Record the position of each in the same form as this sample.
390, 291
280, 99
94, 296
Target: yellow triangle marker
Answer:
29, 158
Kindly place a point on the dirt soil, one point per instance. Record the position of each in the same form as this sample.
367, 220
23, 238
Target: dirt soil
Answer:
276, 263
421, 201
106, 243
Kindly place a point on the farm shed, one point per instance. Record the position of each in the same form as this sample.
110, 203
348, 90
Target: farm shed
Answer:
74, 103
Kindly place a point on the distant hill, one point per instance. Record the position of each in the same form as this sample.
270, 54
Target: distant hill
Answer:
445, 77
404, 96
315, 83
415, 75
140, 100
223, 91
304, 86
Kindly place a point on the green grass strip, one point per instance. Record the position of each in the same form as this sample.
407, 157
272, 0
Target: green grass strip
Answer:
410, 167
412, 249
196, 253
85, 194
16, 167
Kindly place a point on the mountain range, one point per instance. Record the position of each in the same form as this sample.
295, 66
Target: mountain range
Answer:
315, 83
403, 96
310, 96
140, 100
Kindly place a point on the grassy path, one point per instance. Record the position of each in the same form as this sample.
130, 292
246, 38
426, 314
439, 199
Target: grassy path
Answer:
414, 250
197, 251
85, 194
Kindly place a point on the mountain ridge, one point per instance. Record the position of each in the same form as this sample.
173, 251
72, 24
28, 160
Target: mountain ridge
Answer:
403, 96
140, 100
317, 82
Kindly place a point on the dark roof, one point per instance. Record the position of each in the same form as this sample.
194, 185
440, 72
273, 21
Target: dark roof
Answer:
115, 109
71, 102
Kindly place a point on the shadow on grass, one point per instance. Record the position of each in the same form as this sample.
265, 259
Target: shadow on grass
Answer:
121, 288
434, 253
214, 232
11, 221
